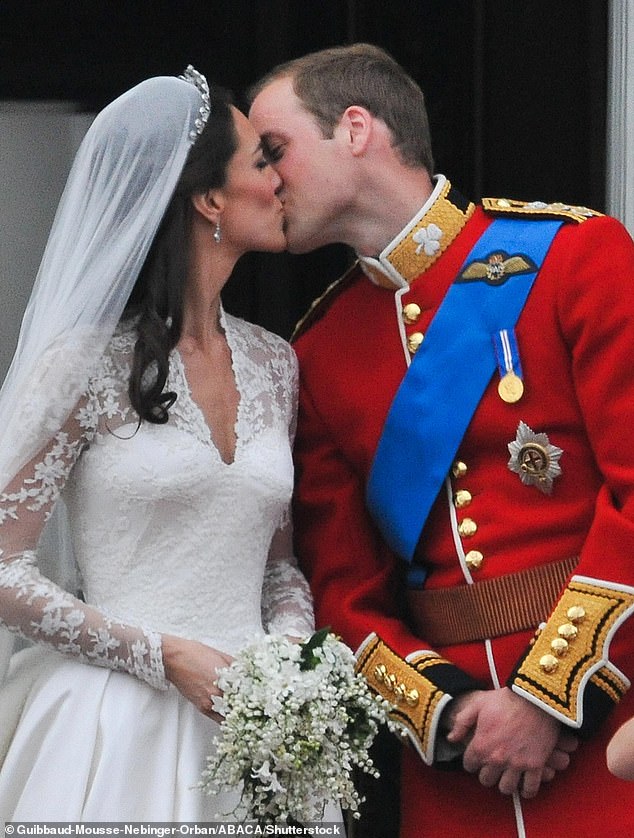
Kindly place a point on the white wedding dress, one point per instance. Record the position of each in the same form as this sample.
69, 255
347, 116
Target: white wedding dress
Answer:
168, 538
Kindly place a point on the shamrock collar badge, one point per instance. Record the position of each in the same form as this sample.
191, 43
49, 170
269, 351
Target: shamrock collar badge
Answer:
534, 458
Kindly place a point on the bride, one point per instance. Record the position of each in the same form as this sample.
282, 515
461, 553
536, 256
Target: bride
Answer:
165, 424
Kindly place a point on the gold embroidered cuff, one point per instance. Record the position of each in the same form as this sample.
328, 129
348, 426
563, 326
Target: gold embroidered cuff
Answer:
567, 670
417, 696
613, 683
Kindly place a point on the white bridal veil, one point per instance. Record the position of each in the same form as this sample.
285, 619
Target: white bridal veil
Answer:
118, 189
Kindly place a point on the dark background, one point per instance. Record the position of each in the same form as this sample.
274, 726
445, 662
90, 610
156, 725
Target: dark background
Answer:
516, 91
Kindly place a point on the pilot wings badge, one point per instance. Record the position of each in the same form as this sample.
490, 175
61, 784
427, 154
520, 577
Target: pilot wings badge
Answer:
497, 268
534, 458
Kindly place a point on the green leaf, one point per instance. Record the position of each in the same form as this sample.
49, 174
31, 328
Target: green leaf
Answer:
308, 659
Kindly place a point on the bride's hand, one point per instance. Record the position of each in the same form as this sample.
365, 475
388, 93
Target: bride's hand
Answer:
192, 668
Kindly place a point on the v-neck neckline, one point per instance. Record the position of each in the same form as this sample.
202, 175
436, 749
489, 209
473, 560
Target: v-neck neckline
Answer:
205, 430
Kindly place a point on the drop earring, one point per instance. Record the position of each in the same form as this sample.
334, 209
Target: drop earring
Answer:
217, 233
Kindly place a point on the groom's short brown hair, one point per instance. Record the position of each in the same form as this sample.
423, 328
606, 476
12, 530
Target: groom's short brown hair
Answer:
331, 80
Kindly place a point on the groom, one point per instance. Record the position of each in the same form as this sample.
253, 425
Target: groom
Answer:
465, 496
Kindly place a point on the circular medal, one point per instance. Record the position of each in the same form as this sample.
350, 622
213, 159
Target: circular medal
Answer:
534, 460
511, 388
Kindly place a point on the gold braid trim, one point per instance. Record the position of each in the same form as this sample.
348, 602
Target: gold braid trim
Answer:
611, 684
416, 701
421, 242
571, 650
408, 256
538, 209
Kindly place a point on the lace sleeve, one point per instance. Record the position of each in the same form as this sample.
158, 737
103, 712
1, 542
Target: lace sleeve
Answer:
287, 605
31, 604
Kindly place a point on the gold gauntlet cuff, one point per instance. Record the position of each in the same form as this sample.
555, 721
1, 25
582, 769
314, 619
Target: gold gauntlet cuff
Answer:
416, 701
567, 668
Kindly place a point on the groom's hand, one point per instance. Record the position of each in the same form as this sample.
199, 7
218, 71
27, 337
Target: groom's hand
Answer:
508, 741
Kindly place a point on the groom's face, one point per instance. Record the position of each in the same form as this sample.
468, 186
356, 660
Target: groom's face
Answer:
314, 188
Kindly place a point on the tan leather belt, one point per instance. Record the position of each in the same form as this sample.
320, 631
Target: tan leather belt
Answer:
490, 608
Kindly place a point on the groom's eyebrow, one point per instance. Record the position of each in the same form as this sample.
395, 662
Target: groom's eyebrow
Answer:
272, 135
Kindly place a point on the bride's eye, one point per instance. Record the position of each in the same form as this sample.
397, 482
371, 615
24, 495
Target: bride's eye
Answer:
273, 153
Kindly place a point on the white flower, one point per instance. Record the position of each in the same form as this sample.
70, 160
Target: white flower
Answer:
297, 722
428, 239
269, 780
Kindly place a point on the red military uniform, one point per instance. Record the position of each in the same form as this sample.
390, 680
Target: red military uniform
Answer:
575, 338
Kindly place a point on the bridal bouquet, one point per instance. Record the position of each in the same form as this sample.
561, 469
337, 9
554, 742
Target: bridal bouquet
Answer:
297, 722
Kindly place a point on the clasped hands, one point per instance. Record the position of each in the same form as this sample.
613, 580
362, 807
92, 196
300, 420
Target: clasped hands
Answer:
508, 742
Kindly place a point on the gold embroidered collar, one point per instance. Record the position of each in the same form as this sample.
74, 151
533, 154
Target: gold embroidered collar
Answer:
422, 241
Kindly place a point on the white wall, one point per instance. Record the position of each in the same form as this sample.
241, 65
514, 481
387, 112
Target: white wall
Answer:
620, 131
37, 143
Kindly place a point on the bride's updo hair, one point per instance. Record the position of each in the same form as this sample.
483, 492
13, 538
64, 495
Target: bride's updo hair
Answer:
156, 301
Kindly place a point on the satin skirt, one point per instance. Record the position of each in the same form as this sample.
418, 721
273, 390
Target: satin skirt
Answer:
81, 743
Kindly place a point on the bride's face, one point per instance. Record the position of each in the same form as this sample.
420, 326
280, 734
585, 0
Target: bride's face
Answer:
252, 218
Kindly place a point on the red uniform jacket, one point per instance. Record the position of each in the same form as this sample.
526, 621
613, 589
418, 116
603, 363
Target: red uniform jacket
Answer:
576, 344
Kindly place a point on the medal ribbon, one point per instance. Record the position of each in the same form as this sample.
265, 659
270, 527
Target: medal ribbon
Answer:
430, 413
507, 353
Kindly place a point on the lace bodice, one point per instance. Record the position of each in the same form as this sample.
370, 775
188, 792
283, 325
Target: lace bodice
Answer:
168, 538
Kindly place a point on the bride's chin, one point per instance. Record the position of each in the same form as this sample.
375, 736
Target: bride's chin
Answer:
278, 241
277, 245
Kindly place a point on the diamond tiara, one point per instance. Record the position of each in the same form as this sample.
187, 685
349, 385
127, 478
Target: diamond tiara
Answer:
192, 76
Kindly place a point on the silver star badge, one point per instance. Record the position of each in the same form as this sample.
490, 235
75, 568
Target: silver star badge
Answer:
534, 459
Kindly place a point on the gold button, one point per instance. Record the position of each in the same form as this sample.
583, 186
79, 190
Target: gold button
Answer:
411, 313
412, 697
467, 527
576, 614
414, 341
559, 646
400, 691
567, 631
462, 498
459, 469
548, 663
474, 559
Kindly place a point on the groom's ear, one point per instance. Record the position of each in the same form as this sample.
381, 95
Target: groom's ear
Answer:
356, 124
209, 204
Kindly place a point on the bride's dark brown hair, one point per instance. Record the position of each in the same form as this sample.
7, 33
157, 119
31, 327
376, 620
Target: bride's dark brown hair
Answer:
156, 301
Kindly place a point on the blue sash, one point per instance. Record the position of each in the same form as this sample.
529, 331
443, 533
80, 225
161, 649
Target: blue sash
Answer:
449, 373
